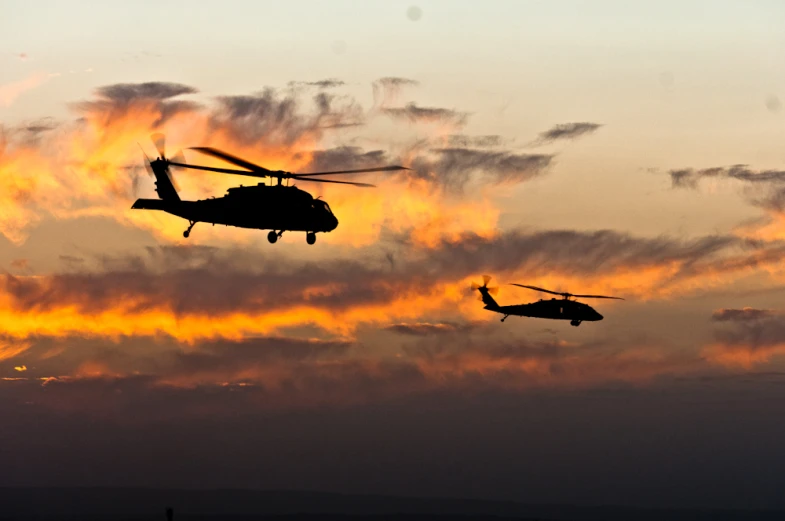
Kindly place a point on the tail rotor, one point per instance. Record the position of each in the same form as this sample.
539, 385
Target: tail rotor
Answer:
486, 292
165, 184
484, 288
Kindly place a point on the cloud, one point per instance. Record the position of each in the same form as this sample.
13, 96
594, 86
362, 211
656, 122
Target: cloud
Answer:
454, 167
9, 92
346, 158
416, 114
276, 119
22, 56
689, 177
752, 339
387, 90
281, 373
463, 141
20, 264
324, 84
422, 329
762, 188
120, 100
126, 93
40, 126
194, 294
10, 348
568, 131
741, 315
96, 162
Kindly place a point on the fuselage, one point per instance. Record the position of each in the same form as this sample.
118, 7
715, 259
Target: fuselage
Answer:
556, 309
260, 207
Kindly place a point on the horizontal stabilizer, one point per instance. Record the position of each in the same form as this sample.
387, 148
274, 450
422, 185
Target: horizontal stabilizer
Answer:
151, 204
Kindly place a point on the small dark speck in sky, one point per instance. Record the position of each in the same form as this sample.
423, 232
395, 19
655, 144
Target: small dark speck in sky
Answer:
414, 13
773, 103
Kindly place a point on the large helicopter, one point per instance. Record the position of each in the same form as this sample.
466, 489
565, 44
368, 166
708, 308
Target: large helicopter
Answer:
278, 207
557, 309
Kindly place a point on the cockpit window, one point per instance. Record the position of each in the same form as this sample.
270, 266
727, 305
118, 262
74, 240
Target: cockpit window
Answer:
318, 202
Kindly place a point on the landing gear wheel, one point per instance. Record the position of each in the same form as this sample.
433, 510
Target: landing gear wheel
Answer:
575, 323
310, 237
187, 232
272, 237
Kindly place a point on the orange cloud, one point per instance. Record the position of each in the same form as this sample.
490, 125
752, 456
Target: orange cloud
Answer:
90, 168
12, 348
742, 356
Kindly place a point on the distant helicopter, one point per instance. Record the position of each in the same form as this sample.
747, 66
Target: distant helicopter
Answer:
557, 309
278, 208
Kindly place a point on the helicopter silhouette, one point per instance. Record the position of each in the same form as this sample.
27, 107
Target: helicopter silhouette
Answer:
556, 309
278, 207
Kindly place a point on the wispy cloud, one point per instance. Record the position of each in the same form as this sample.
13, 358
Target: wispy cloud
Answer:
568, 131
9, 92
416, 114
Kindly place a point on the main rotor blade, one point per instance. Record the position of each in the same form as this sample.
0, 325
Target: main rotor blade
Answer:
233, 159
535, 288
219, 170
160, 143
486, 279
364, 185
147, 165
360, 171
597, 296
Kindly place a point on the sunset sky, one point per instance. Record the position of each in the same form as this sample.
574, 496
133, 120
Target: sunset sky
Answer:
634, 149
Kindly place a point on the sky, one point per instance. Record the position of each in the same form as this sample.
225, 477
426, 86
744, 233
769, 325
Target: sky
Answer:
620, 148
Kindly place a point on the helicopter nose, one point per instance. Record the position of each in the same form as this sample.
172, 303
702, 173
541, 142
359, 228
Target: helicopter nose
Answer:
334, 223
597, 316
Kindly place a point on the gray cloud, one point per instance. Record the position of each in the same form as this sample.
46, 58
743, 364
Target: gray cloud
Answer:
689, 177
417, 114
741, 315
128, 92
422, 329
345, 158
211, 280
763, 188
583, 253
326, 84
568, 131
454, 167
39, 126
463, 141
761, 333
279, 119
392, 81
114, 100
387, 90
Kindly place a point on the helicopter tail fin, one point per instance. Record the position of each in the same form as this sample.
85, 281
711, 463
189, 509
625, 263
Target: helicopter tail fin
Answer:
163, 182
486, 292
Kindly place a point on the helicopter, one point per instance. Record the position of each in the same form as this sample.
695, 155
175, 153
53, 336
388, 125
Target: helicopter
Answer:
277, 207
557, 309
